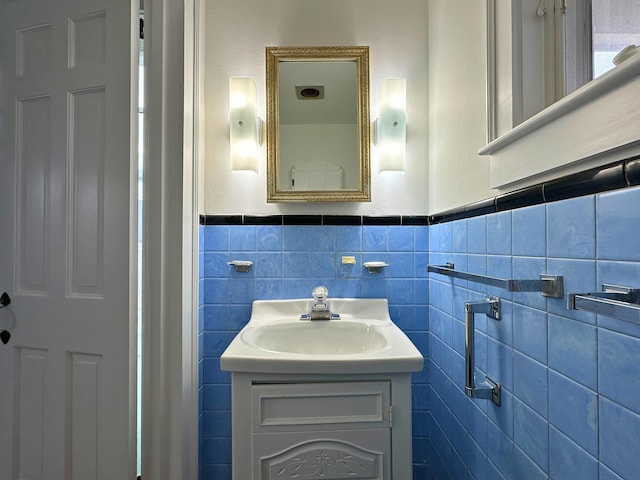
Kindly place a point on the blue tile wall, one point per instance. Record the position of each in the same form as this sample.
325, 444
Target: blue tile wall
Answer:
570, 378
288, 262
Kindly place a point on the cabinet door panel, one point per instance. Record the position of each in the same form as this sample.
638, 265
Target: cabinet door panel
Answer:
320, 406
347, 454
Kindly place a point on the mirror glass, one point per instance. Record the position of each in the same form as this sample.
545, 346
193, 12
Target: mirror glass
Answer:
318, 124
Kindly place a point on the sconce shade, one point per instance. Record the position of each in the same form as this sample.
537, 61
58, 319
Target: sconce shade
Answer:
244, 124
392, 124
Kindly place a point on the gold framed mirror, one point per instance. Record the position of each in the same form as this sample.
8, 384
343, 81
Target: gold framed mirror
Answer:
318, 124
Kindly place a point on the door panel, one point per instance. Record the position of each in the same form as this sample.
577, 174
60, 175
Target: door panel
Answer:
66, 401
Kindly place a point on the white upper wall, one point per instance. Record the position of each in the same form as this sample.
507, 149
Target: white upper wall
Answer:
235, 35
457, 100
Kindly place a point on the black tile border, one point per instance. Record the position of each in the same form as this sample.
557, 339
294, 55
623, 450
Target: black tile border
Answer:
310, 220
614, 176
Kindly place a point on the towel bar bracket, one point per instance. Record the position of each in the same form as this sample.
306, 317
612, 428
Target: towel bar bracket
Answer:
486, 390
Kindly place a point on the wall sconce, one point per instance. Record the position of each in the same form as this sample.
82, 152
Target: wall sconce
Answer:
245, 127
391, 124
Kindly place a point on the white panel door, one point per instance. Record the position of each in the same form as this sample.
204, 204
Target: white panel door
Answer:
66, 409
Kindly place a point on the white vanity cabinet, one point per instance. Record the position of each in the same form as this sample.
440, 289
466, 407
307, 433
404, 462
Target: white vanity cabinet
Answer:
321, 426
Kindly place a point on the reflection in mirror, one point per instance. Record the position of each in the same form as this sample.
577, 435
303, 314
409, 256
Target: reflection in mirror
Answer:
318, 124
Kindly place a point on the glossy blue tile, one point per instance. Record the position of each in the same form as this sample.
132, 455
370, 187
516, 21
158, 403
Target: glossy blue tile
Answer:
269, 238
242, 238
400, 265
500, 363
573, 350
295, 264
440, 325
421, 238
573, 409
477, 264
374, 238
619, 431
440, 296
499, 233
502, 329
375, 287
216, 472
216, 450
321, 239
400, 291
499, 266
215, 265
348, 238
477, 423
421, 260
215, 290
531, 435
568, 461
531, 383
530, 268
400, 238
217, 397
242, 290
606, 474
530, 332
502, 415
500, 450
477, 235
579, 276
529, 231
216, 424
321, 265
216, 238
214, 343
478, 462
295, 238
571, 228
269, 288
619, 368
268, 265
459, 236
347, 288
440, 238
618, 225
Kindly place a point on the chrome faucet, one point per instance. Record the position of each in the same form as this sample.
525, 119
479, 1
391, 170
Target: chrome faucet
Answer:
319, 308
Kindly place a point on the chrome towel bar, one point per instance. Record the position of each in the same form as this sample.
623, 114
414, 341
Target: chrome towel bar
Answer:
614, 301
487, 389
547, 285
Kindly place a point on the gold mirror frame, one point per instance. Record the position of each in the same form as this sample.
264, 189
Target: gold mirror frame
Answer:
275, 55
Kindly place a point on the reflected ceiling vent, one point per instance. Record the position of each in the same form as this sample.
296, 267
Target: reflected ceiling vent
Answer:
310, 92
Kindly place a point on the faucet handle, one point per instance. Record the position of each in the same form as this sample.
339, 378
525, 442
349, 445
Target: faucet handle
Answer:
320, 294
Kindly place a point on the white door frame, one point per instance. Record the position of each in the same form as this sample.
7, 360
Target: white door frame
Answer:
170, 267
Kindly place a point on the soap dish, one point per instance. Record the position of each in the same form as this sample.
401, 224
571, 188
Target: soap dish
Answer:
241, 265
375, 267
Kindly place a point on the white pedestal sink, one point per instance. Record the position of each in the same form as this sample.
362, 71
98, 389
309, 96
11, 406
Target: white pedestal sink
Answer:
321, 399
363, 340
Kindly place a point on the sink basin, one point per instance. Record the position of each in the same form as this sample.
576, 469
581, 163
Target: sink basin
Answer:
363, 340
336, 337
